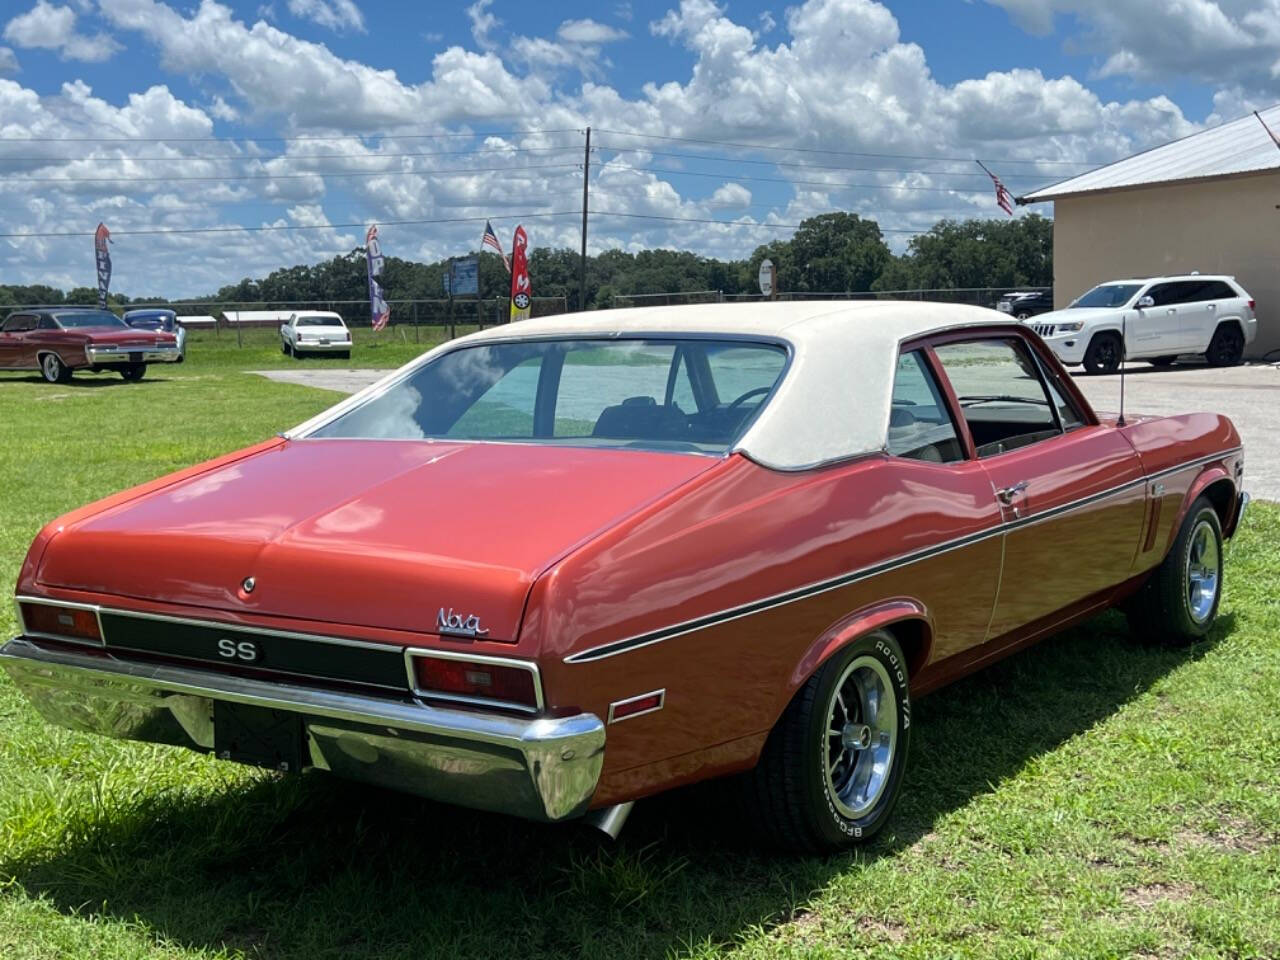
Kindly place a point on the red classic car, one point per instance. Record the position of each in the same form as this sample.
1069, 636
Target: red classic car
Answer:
558, 566
58, 341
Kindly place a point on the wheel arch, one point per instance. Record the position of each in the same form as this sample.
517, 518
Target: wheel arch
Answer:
1237, 322
905, 617
1215, 484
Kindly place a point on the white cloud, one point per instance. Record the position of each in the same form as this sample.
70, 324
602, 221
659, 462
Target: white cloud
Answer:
482, 23
333, 14
49, 27
623, 12
219, 109
1216, 41
8, 61
589, 32
767, 23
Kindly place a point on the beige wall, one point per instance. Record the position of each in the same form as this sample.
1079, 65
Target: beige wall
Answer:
1229, 226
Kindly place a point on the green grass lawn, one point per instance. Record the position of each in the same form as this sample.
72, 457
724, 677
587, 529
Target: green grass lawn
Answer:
1088, 798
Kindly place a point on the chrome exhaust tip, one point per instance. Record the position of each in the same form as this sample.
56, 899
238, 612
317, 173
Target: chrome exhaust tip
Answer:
610, 820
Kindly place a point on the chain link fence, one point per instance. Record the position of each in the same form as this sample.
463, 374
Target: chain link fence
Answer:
976, 296
407, 316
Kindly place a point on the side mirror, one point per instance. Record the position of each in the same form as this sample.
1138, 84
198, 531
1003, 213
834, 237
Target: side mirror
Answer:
1146, 301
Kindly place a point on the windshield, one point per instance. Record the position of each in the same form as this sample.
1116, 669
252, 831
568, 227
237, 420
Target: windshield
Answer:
318, 322
88, 318
1108, 295
692, 395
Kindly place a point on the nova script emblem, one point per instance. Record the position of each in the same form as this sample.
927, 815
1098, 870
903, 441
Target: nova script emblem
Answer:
458, 625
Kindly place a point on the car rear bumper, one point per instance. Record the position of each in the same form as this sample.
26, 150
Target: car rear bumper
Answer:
333, 346
537, 768
118, 356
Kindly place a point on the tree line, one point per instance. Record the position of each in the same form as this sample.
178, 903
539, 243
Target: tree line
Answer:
831, 253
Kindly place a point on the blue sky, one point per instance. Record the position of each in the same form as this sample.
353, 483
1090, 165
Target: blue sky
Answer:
873, 107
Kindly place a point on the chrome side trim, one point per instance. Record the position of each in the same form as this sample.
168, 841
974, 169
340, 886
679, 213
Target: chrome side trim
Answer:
627, 644
47, 602
543, 768
662, 702
412, 653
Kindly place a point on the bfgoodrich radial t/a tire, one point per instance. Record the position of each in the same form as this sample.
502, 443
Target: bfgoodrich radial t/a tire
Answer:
1179, 604
830, 773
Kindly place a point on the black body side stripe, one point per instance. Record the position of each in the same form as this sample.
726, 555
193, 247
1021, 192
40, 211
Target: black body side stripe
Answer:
845, 579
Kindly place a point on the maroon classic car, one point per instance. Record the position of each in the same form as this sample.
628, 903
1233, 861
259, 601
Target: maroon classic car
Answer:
58, 341
558, 566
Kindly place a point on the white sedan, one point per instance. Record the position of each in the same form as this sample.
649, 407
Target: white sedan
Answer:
319, 332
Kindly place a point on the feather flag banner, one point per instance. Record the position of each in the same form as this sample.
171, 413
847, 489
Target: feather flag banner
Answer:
521, 293
101, 237
379, 311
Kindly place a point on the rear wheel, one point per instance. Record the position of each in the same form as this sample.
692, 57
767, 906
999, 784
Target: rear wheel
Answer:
830, 772
1104, 354
53, 369
133, 372
1162, 361
284, 347
1226, 349
1179, 604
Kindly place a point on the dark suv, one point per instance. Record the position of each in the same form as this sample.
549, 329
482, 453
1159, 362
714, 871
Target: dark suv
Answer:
1023, 304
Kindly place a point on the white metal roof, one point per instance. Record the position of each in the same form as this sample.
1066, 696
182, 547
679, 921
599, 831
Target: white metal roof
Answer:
279, 316
1240, 146
835, 398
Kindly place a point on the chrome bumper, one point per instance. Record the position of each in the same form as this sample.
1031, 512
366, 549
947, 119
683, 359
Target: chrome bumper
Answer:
541, 769
1242, 504
110, 355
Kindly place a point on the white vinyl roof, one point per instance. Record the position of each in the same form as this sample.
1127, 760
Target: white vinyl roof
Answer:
835, 398
1238, 147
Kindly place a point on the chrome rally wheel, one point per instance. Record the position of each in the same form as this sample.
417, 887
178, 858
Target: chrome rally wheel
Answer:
1204, 571
53, 369
861, 737
830, 772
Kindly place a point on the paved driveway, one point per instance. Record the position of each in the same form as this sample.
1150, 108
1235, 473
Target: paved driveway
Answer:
1249, 395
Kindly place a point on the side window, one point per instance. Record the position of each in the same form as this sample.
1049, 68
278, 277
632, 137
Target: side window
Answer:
46, 323
1067, 412
920, 427
1164, 294
18, 323
1002, 396
1193, 291
505, 410
1218, 290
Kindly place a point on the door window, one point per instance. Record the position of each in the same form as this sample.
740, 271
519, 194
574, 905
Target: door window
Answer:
920, 427
19, 323
1164, 294
46, 323
1002, 397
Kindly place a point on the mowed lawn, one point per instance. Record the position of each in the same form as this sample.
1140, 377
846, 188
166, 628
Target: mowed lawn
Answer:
1089, 798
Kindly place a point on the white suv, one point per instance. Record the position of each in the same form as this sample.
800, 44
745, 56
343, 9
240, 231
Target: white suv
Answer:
1163, 318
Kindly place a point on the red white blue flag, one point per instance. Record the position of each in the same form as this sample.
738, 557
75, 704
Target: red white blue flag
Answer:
101, 237
490, 239
379, 310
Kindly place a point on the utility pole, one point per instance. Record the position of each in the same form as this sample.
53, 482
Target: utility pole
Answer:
582, 270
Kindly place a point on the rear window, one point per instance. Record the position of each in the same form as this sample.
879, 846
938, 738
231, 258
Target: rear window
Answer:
89, 318
318, 322
690, 395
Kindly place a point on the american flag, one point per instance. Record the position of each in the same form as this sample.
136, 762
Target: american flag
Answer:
491, 240
1004, 200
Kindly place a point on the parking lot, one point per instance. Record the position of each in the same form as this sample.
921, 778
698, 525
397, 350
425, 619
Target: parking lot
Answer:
1249, 395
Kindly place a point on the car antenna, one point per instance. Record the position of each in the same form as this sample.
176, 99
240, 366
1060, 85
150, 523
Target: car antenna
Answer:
1124, 352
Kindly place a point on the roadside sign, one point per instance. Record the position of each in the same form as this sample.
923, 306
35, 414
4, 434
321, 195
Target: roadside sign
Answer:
463, 277
767, 277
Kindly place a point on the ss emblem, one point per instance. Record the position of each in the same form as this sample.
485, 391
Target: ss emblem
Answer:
245, 650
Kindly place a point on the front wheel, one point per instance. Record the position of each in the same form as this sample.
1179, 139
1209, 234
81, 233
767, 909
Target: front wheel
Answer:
1104, 354
1226, 349
53, 369
831, 770
1179, 604
133, 372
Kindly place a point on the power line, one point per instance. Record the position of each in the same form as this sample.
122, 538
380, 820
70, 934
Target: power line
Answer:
446, 172
437, 221
298, 139
787, 180
840, 153
245, 158
815, 166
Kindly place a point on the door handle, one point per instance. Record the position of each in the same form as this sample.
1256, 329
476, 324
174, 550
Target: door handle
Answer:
1213, 306
1173, 309
1006, 495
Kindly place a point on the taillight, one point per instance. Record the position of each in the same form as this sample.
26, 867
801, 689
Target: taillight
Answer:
490, 681
71, 623
1252, 304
